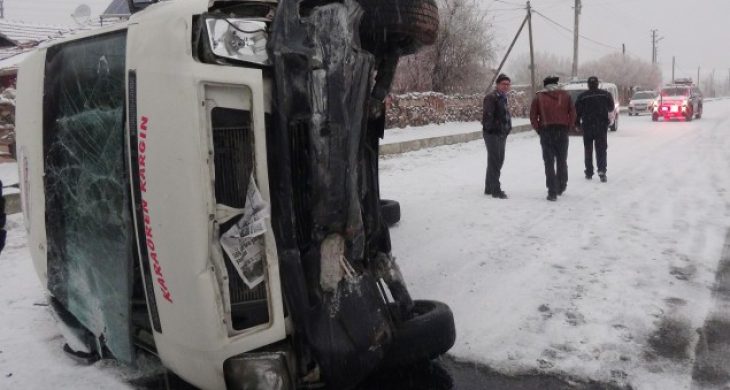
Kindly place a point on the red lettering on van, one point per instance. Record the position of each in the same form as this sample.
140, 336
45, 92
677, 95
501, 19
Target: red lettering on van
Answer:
141, 160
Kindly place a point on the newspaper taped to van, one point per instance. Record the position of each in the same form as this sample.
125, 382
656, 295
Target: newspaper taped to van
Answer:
244, 241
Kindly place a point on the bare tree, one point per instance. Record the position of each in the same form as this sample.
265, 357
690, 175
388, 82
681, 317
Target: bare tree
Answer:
627, 72
546, 64
459, 60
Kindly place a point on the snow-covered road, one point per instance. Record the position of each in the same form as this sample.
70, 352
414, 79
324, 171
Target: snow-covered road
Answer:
587, 286
594, 285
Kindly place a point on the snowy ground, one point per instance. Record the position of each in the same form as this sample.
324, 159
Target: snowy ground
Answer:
579, 286
576, 287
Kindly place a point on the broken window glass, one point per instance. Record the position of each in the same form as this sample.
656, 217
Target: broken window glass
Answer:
88, 220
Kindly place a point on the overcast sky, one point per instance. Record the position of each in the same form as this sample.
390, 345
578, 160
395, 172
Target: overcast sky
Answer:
697, 32
50, 11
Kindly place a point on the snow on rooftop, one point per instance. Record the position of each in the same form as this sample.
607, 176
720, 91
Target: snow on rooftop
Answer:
29, 32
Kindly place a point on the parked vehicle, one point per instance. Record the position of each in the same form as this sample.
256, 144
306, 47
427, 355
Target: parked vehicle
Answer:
681, 100
642, 103
575, 88
189, 192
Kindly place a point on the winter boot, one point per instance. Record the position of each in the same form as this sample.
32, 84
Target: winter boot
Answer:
499, 195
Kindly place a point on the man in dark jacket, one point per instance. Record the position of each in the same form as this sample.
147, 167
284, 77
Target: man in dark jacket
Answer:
593, 107
496, 125
552, 113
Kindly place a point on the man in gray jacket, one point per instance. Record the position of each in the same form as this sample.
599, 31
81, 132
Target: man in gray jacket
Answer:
496, 125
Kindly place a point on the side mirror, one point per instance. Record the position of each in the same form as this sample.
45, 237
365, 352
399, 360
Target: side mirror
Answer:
138, 5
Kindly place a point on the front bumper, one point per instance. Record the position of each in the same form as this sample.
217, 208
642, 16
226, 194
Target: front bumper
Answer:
640, 109
671, 111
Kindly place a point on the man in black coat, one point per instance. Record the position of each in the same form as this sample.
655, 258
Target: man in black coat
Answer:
496, 126
593, 107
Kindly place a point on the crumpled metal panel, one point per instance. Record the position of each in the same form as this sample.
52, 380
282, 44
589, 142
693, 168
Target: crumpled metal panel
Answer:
318, 172
88, 218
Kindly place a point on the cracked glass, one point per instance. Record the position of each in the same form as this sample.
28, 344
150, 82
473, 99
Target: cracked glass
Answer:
88, 220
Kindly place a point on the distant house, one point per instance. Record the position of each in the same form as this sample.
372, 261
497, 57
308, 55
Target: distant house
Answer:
29, 34
18, 38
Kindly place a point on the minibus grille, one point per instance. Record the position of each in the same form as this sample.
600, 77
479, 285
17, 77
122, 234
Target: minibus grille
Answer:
233, 145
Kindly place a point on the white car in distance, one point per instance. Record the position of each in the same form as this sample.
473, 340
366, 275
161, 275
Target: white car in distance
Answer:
642, 102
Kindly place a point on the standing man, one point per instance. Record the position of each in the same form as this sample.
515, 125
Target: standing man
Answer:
496, 125
552, 113
593, 107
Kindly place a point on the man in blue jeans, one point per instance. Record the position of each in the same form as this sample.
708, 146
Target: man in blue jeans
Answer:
592, 107
496, 126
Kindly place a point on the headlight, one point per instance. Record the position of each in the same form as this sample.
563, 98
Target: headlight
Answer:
238, 39
262, 370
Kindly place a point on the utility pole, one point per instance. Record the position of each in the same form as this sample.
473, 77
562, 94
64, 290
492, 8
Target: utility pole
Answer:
673, 69
2, 10
654, 49
509, 50
532, 50
623, 47
653, 46
576, 34
698, 75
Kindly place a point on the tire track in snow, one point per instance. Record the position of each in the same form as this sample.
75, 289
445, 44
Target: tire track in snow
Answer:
712, 352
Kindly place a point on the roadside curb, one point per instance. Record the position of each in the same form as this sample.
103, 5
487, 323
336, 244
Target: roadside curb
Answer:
452, 139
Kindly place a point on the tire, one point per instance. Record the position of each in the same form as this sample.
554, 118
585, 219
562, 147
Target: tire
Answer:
654, 118
699, 113
404, 25
390, 211
429, 334
690, 116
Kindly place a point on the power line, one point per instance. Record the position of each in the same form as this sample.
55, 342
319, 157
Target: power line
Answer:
506, 9
571, 31
569, 38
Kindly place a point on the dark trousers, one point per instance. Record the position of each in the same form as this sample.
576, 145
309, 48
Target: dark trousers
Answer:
496, 144
554, 142
598, 136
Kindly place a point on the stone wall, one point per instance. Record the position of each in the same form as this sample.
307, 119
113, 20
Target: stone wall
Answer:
423, 108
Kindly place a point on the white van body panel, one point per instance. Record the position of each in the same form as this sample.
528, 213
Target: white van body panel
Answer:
29, 115
174, 94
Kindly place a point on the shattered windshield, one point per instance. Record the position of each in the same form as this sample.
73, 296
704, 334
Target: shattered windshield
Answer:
87, 206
